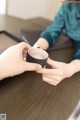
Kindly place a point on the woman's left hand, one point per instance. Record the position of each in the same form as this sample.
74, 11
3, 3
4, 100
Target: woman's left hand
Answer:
57, 73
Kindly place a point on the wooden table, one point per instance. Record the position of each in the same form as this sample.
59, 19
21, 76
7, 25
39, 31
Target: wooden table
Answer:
27, 97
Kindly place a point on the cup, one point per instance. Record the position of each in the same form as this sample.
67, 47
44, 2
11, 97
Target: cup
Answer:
37, 55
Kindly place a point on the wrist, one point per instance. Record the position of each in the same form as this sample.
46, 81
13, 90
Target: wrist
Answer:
75, 66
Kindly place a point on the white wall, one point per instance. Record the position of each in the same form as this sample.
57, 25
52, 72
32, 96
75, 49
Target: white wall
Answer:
32, 8
3, 7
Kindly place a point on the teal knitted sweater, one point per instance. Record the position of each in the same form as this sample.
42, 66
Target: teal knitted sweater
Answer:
68, 18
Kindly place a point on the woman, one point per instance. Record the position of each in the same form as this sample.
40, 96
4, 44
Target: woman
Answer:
68, 18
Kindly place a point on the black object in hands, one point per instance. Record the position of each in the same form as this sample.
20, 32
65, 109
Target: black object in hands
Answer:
37, 55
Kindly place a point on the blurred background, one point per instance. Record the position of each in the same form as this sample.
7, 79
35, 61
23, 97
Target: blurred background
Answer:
27, 9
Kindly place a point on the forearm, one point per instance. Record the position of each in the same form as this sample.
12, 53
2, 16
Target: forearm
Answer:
42, 43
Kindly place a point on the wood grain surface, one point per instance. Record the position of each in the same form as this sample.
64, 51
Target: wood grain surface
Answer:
27, 97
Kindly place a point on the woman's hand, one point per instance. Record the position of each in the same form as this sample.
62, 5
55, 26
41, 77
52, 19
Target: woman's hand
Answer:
12, 61
57, 73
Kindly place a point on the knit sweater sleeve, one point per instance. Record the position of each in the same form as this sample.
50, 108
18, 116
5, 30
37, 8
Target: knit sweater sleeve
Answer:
52, 32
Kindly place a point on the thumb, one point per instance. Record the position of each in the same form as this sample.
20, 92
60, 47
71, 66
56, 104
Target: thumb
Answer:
32, 66
52, 63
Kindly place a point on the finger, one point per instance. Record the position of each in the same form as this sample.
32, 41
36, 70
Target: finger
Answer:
24, 55
50, 71
50, 81
53, 63
58, 77
23, 47
31, 66
25, 51
50, 62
